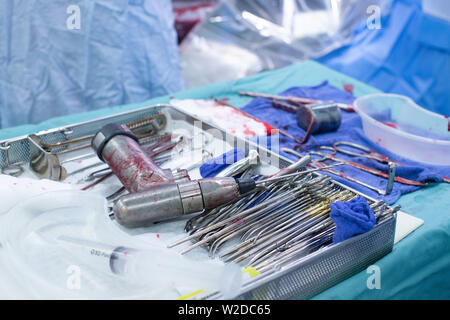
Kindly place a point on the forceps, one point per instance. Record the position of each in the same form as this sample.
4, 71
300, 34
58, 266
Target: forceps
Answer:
331, 156
319, 164
364, 152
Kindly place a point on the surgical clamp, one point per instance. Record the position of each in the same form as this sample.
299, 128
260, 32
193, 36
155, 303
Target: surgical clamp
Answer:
365, 152
317, 164
331, 156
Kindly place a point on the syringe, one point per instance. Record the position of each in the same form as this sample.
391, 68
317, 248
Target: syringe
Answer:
156, 267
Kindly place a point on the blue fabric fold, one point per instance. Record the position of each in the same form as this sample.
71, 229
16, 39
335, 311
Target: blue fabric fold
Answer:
352, 218
212, 167
409, 55
350, 130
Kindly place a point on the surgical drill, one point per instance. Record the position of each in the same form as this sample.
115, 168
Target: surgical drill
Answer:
154, 196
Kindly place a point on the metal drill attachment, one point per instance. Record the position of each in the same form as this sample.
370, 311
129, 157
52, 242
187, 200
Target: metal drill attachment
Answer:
166, 201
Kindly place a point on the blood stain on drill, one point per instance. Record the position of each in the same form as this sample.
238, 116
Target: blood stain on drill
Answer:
141, 176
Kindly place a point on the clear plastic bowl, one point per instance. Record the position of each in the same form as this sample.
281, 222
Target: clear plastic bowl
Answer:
399, 125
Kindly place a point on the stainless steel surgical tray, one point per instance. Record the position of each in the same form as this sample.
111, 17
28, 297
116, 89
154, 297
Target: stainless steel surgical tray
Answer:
304, 277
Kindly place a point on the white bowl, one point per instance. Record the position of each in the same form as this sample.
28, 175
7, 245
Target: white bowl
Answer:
399, 125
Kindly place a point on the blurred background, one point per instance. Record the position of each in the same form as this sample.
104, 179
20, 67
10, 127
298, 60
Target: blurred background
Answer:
63, 57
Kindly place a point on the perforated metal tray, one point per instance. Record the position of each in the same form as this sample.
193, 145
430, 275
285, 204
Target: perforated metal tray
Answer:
302, 278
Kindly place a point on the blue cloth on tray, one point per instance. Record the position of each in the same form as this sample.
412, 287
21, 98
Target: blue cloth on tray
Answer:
212, 167
352, 218
350, 130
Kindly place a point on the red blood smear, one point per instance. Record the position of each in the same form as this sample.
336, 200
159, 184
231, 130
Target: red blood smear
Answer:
269, 129
157, 235
267, 126
349, 88
390, 124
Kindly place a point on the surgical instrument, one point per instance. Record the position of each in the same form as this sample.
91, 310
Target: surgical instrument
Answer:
296, 100
235, 216
317, 164
331, 156
390, 184
164, 201
318, 118
12, 169
248, 213
293, 167
313, 118
153, 120
153, 150
299, 249
301, 219
145, 265
158, 145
